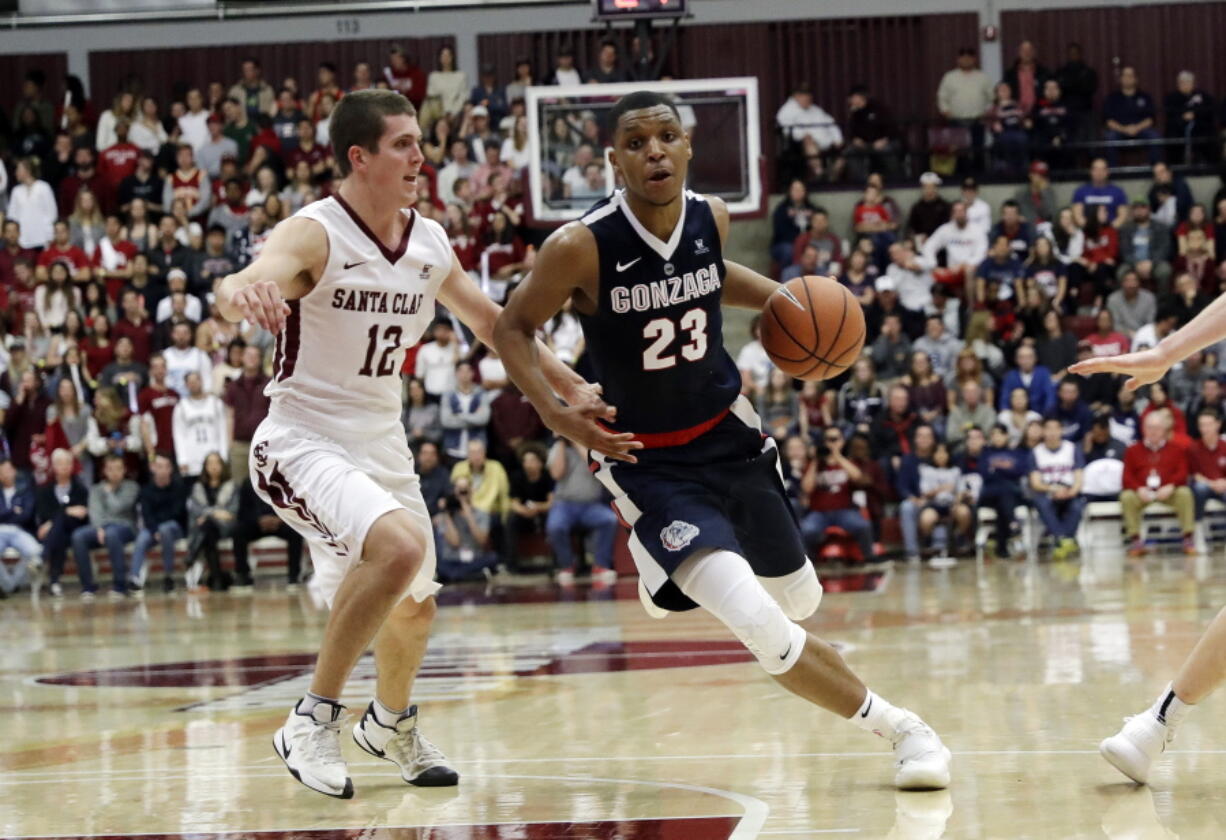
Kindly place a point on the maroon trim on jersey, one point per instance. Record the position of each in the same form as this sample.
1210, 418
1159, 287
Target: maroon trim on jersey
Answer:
293, 338
282, 495
391, 256
657, 440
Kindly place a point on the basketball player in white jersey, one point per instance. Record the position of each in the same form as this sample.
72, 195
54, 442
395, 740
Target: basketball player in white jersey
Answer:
1145, 736
347, 285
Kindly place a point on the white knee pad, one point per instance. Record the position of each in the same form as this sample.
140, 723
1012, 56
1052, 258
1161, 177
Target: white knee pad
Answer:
799, 593
723, 584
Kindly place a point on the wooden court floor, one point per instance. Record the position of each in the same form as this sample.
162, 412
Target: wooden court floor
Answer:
571, 714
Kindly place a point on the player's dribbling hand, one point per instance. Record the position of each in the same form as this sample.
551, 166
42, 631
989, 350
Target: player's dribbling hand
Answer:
588, 396
262, 303
1145, 367
577, 424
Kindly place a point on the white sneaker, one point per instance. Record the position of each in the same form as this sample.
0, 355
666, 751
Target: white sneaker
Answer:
602, 575
310, 746
57, 591
922, 760
1133, 749
942, 561
194, 573
565, 577
421, 763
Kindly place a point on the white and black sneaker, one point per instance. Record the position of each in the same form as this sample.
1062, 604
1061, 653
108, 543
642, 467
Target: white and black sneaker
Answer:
310, 746
421, 763
920, 759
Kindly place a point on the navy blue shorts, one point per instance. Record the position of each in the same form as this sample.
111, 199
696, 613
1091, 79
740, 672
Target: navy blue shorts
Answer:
720, 491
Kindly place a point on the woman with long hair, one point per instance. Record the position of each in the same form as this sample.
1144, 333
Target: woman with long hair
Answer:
230, 367
438, 142
68, 421
926, 391
1048, 272
275, 209
1160, 397
778, 405
1102, 253
460, 233
861, 399
1198, 219
1056, 349
301, 190
147, 130
72, 368
446, 87
215, 334
123, 109
421, 417
34, 334
816, 405
97, 347
212, 511
515, 152
86, 224
141, 231
1018, 417
55, 298
968, 367
859, 278
265, 185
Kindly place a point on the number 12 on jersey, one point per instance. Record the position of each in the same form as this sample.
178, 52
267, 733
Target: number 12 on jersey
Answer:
662, 331
387, 364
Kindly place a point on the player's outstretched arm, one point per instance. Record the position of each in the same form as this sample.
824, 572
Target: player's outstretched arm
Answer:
296, 250
1146, 366
463, 297
567, 262
743, 287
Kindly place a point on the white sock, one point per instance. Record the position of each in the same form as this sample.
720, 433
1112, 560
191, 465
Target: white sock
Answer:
308, 703
876, 715
387, 717
1169, 709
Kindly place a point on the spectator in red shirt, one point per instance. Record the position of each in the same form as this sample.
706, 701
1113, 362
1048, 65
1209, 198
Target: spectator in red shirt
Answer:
118, 161
404, 76
265, 146
25, 418
504, 250
828, 484
318, 157
62, 250
20, 296
156, 403
872, 218
85, 174
1105, 340
1156, 471
135, 324
326, 77
1207, 461
1102, 252
113, 258
11, 251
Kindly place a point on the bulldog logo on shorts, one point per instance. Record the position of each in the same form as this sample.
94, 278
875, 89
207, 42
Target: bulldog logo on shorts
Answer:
678, 535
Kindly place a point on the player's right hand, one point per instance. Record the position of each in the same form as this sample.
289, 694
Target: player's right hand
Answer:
1145, 367
261, 303
576, 423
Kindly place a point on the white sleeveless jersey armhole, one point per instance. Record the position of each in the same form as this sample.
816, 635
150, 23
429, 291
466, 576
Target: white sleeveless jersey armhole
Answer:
338, 359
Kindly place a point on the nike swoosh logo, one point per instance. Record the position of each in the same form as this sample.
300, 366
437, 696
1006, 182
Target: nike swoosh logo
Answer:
285, 745
787, 293
864, 714
350, 265
621, 268
785, 653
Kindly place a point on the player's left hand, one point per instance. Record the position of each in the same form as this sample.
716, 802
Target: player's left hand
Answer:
587, 396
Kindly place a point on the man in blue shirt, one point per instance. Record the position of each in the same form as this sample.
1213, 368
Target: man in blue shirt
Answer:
1033, 378
1129, 114
1000, 274
1014, 228
1072, 412
1100, 190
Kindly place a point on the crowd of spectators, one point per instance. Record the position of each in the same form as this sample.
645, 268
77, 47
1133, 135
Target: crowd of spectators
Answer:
963, 399
997, 127
128, 404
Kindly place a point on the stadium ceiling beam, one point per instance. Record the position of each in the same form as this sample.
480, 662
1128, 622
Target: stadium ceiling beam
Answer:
266, 8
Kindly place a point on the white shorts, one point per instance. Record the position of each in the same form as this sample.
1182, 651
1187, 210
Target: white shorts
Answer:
333, 492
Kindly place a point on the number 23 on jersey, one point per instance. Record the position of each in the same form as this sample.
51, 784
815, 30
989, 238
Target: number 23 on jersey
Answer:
662, 332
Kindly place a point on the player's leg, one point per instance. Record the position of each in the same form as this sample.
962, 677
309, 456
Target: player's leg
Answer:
723, 583
1144, 736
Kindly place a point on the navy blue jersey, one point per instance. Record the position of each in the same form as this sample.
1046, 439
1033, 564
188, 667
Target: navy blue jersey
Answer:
656, 340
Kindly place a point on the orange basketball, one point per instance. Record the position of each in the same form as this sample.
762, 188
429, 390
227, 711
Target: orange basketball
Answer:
813, 328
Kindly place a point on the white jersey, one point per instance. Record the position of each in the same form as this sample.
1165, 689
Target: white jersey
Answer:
338, 358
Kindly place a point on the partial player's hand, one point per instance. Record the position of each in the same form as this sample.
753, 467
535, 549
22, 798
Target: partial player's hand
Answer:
578, 424
1144, 367
262, 303
588, 397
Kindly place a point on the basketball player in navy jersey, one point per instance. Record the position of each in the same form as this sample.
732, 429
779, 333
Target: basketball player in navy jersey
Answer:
683, 455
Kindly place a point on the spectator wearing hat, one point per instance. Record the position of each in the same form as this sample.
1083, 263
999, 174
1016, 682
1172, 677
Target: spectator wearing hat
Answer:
488, 94
1036, 200
929, 211
1189, 117
1129, 114
886, 303
872, 138
1145, 247
176, 280
215, 148
804, 122
965, 95
1100, 192
1053, 125
978, 211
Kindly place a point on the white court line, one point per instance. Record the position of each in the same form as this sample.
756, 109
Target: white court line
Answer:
806, 832
263, 763
750, 825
